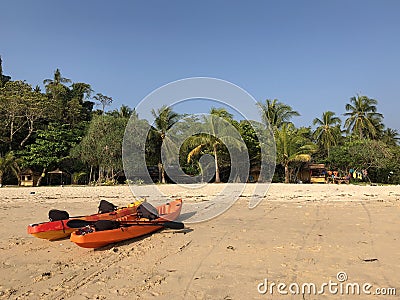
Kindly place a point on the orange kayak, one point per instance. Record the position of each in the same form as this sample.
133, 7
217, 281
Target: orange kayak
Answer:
55, 230
89, 237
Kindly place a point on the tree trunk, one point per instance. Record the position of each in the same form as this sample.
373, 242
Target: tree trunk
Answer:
161, 168
30, 130
1, 178
100, 175
41, 177
360, 132
161, 173
11, 134
217, 179
286, 173
90, 174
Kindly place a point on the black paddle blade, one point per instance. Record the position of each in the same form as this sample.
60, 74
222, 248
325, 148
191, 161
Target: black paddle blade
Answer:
82, 223
173, 225
78, 223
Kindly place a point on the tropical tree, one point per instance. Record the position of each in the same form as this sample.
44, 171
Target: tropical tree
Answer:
165, 118
57, 79
104, 100
57, 92
276, 113
390, 137
362, 117
219, 134
51, 146
101, 147
123, 112
8, 162
21, 108
328, 131
370, 155
292, 146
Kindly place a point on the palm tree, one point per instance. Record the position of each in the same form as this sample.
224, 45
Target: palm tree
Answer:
210, 140
165, 118
58, 92
57, 79
81, 91
363, 118
123, 112
276, 113
390, 137
219, 134
292, 146
328, 131
126, 112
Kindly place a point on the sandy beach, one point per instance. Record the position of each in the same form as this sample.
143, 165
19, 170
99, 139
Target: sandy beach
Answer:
298, 234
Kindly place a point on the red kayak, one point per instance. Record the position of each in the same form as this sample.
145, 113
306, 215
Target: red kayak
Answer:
130, 226
58, 229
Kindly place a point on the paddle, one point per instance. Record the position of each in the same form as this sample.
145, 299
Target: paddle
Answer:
168, 224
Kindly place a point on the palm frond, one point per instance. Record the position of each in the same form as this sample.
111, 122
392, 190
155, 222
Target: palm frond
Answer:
194, 152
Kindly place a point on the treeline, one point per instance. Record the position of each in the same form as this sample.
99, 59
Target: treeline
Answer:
59, 128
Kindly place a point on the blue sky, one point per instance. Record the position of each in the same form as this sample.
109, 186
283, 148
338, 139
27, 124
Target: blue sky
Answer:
312, 55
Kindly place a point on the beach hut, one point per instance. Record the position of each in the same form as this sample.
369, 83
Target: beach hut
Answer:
57, 176
29, 177
313, 173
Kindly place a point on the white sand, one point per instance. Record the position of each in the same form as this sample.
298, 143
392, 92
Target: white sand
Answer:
299, 233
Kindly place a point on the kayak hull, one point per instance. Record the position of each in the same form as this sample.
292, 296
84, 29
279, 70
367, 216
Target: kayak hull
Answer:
55, 230
97, 239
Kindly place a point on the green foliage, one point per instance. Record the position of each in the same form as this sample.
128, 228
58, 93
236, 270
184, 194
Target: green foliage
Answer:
21, 108
293, 145
216, 138
42, 128
104, 100
51, 146
165, 118
8, 162
370, 155
250, 138
363, 117
390, 137
276, 113
328, 132
101, 147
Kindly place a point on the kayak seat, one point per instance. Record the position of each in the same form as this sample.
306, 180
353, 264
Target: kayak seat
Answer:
102, 225
148, 211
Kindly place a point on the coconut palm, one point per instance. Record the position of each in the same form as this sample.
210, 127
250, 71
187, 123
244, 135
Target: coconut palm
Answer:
390, 137
292, 146
56, 85
123, 112
363, 118
276, 113
58, 93
165, 118
328, 131
215, 128
57, 79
